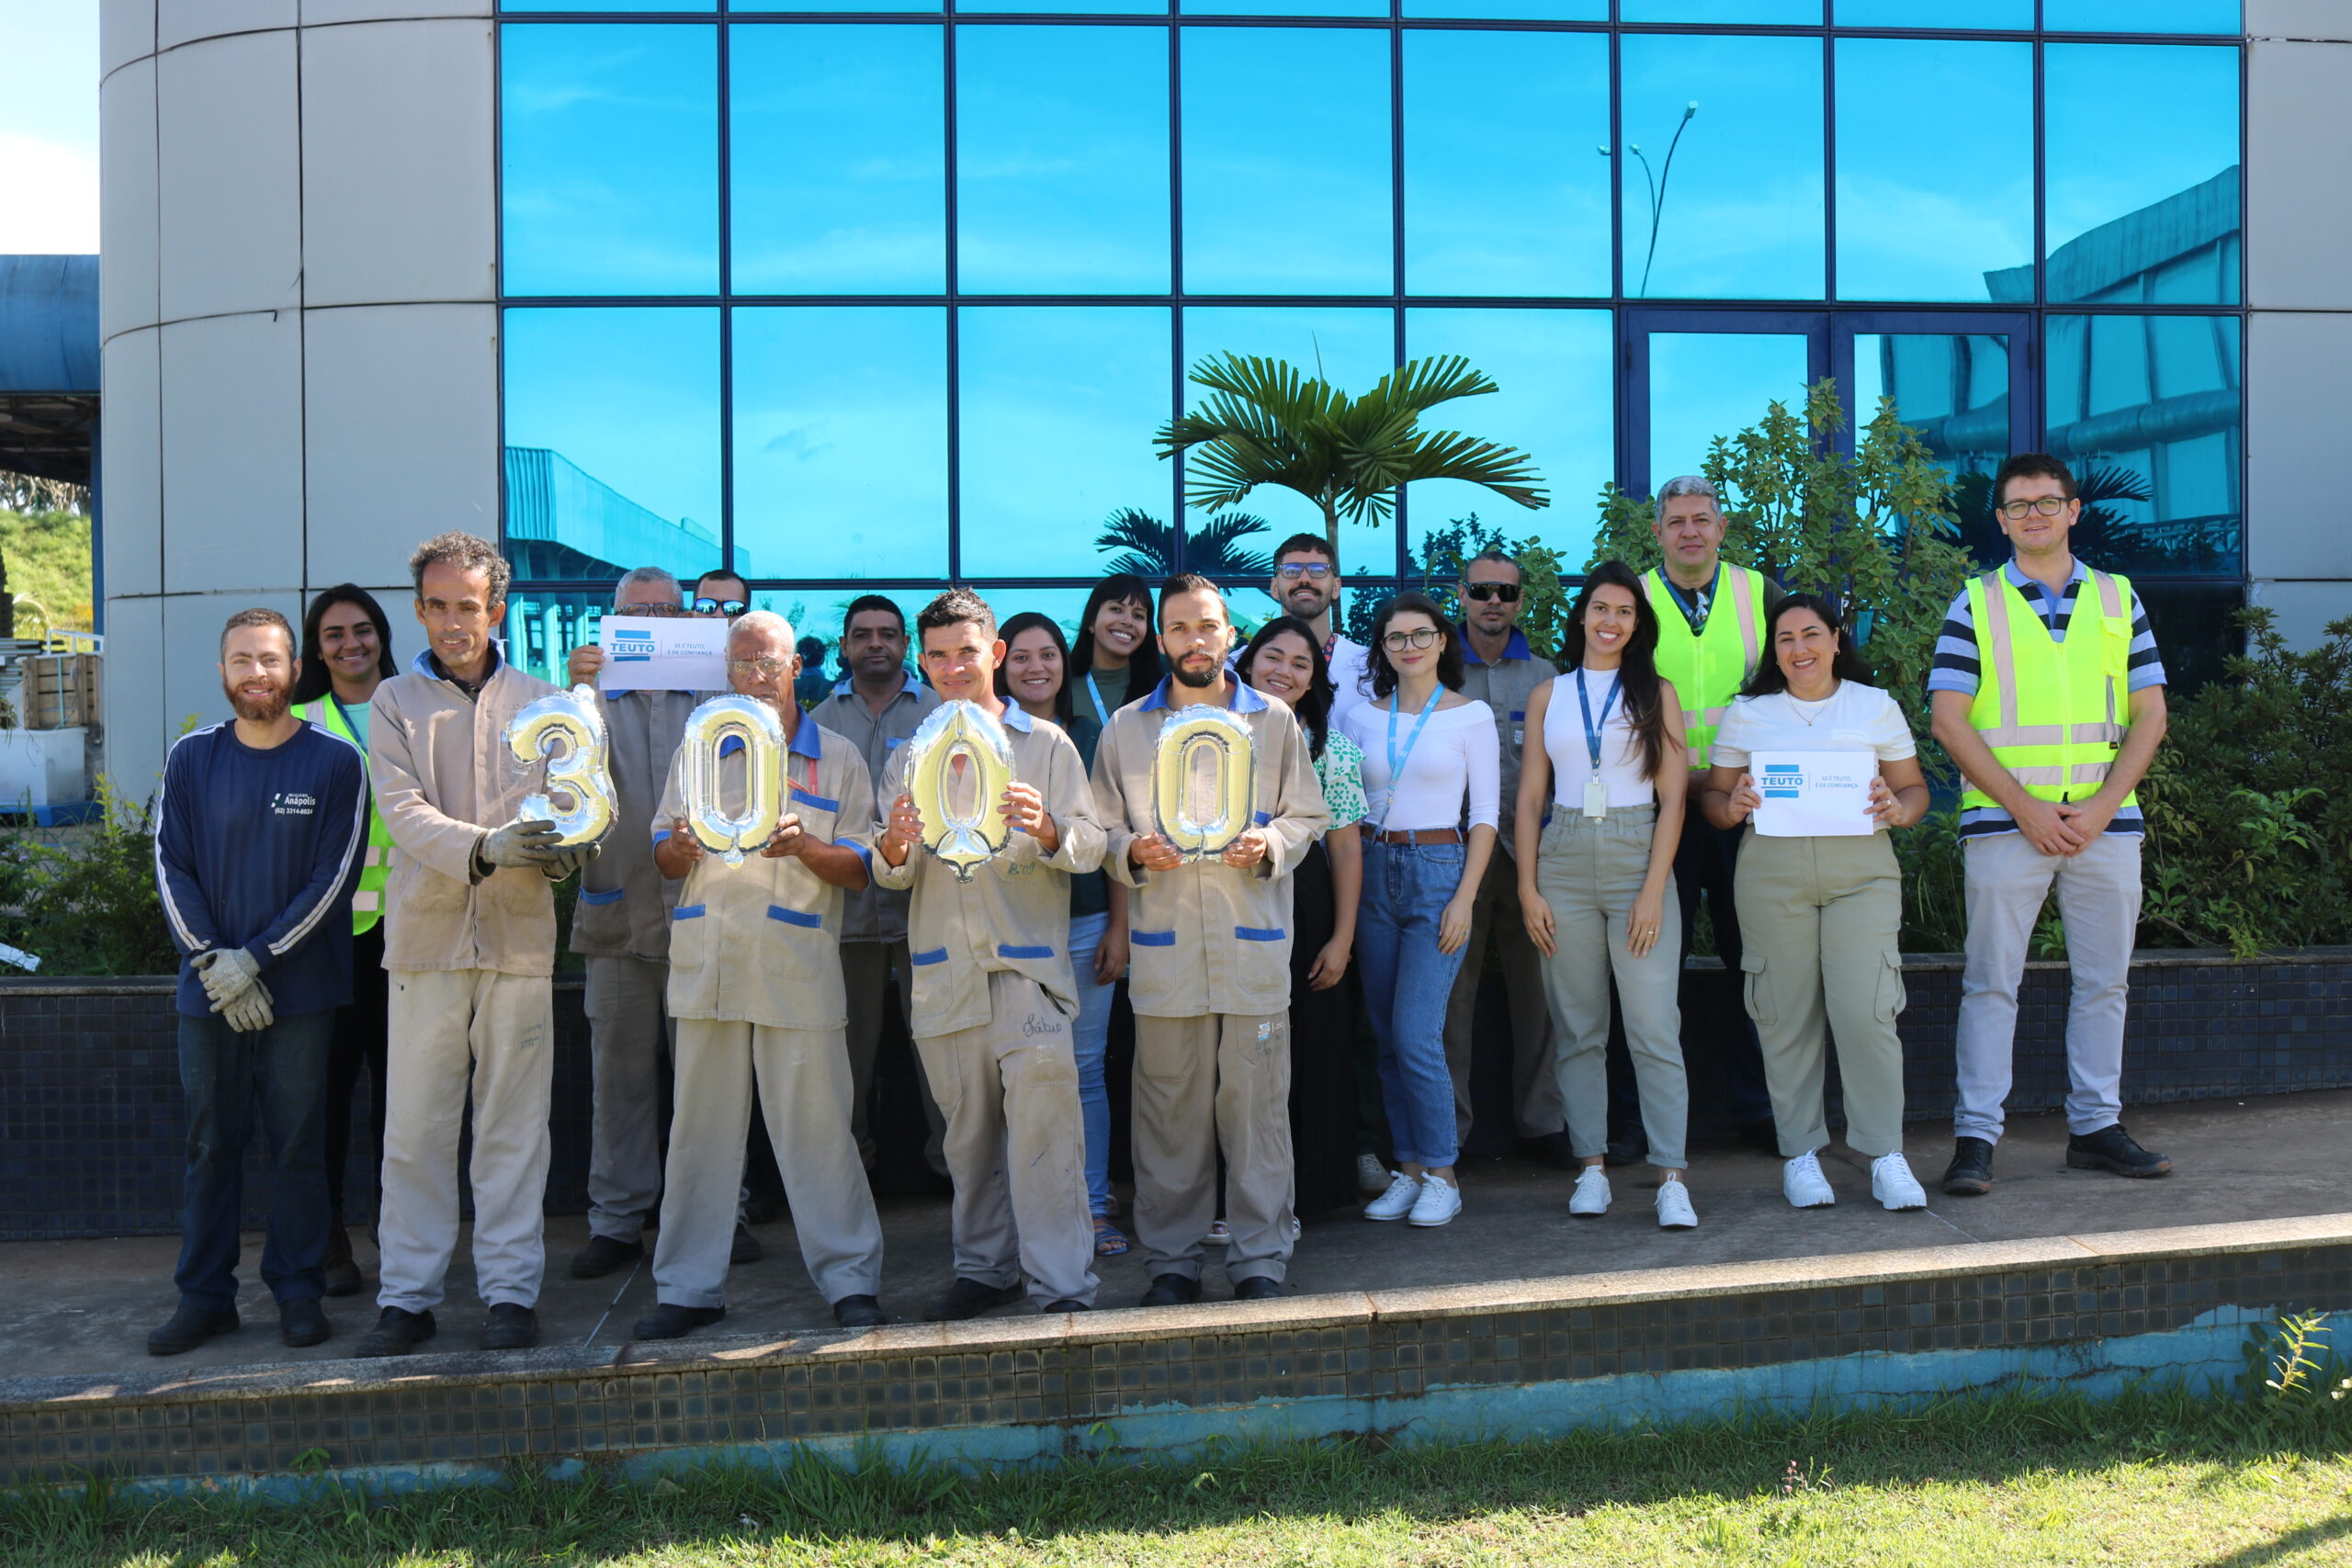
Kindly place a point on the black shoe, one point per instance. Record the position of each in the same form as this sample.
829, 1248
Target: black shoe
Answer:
397, 1332
747, 1248
2112, 1148
969, 1298
510, 1325
1066, 1306
303, 1323
1171, 1291
1629, 1147
341, 1273
859, 1312
1257, 1289
1969, 1174
189, 1327
1760, 1135
603, 1256
762, 1208
1551, 1149
670, 1321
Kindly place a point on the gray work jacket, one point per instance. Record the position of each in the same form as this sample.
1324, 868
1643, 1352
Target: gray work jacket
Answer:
1504, 686
879, 913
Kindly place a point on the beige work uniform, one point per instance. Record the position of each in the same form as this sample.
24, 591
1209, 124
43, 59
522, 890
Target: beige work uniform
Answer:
470, 1004
994, 1006
756, 989
1209, 978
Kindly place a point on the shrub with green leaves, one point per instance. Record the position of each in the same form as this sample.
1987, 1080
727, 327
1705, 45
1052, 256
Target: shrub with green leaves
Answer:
83, 899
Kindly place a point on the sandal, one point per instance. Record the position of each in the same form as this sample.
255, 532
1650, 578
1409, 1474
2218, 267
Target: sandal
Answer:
1110, 1241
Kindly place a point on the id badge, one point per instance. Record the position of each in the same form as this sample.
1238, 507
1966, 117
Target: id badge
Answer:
1595, 798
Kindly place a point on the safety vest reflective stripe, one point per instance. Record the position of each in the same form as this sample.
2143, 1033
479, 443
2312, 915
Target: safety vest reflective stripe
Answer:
2039, 679
376, 857
366, 901
1699, 663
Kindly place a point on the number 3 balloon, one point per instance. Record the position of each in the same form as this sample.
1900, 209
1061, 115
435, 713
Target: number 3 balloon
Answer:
566, 732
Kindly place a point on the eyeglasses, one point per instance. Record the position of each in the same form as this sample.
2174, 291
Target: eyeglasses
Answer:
768, 666
720, 606
1506, 592
2049, 506
656, 610
1397, 642
1312, 570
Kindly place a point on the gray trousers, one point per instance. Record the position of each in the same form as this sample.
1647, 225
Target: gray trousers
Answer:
869, 969
629, 1034
1217, 1080
1016, 1144
1535, 1086
1591, 874
1820, 920
2098, 897
803, 1088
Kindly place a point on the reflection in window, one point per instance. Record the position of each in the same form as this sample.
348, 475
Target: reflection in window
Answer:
610, 158
1555, 402
1512, 10
1711, 385
1754, 13
543, 626
1283, 7
1503, 193
1953, 388
2141, 15
607, 4
1987, 14
841, 440
1286, 160
612, 441
1935, 168
2141, 143
1741, 212
2147, 409
1058, 406
1061, 159
817, 616
837, 159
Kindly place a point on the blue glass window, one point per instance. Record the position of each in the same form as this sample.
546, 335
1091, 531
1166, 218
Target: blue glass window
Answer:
2141, 15
841, 440
1283, 7
1984, 13
1058, 404
817, 617
1935, 169
1709, 385
1286, 160
607, 4
838, 160
1061, 159
1734, 209
612, 440
2148, 411
1512, 10
544, 625
1953, 388
609, 155
1505, 189
1754, 13
2141, 143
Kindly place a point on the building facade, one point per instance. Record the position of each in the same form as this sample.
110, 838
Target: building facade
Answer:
866, 300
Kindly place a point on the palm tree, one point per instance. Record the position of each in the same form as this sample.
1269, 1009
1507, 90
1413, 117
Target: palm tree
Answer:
1266, 423
1148, 545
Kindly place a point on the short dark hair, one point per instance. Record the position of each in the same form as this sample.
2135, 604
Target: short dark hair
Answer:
1846, 664
1184, 583
2032, 466
467, 552
1308, 544
865, 603
1493, 554
955, 607
727, 572
258, 618
1313, 709
314, 682
1449, 657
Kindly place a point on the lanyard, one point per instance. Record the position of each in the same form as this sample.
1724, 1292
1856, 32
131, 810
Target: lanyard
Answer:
349, 728
1695, 614
1592, 730
1101, 714
1395, 763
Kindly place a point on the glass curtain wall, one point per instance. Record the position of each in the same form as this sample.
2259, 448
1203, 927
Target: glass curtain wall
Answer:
868, 299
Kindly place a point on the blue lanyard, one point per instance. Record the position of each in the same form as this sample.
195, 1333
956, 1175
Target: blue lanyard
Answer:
1101, 714
1395, 763
344, 713
1592, 730
1695, 614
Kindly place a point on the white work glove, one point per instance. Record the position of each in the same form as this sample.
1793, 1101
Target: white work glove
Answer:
226, 973
570, 858
520, 843
249, 1010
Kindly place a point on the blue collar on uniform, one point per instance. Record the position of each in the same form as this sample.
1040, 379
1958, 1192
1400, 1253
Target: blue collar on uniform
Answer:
808, 740
841, 687
1246, 697
1515, 648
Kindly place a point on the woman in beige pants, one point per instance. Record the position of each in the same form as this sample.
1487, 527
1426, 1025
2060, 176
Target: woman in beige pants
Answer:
1819, 914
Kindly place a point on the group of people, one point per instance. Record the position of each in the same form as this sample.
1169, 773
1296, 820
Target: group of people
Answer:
347, 863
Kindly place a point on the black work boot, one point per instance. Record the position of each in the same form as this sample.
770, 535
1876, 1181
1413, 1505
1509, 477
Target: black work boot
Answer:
969, 1298
303, 1323
670, 1321
190, 1326
605, 1255
397, 1332
2112, 1148
510, 1325
859, 1312
341, 1272
1171, 1291
1969, 1174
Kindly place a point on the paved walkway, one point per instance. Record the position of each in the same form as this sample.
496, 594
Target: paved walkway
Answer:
85, 1306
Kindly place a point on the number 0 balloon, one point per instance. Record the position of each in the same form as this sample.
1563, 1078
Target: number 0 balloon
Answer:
709, 727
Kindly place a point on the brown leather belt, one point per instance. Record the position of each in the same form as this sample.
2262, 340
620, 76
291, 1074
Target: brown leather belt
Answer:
1415, 836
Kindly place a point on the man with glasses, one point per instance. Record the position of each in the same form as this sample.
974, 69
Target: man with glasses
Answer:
1307, 584
1499, 670
2049, 693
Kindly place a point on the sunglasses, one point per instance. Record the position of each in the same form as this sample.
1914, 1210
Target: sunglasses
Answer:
720, 606
1506, 592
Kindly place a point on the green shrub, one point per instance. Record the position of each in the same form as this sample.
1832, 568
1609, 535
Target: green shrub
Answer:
83, 900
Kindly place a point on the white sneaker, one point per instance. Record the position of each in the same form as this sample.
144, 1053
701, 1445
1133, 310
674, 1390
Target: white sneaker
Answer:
1220, 1234
1590, 1199
1397, 1201
1893, 1184
1804, 1185
1371, 1175
1674, 1210
1440, 1200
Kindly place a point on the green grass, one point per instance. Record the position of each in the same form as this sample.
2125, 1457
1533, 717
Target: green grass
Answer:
47, 558
2154, 1480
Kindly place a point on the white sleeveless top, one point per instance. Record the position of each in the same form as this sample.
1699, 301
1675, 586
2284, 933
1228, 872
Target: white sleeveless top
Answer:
1620, 748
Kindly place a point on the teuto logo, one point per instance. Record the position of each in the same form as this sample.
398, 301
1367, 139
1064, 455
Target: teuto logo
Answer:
631, 646
1782, 779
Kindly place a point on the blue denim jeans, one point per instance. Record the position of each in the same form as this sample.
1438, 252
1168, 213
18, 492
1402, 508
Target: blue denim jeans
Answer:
223, 1073
1407, 986
1091, 1036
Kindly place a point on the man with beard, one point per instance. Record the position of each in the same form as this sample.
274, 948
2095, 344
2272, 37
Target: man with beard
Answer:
1307, 584
258, 830
1209, 969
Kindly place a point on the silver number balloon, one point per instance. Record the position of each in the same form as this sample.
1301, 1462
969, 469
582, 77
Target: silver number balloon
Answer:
1203, 785
565, 730
731, 836
957, 771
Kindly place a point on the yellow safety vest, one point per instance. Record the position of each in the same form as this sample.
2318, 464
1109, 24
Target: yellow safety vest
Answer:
1708, 666
2052, 712
376, 860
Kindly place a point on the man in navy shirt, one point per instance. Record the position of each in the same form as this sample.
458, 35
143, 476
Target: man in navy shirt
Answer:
259, 825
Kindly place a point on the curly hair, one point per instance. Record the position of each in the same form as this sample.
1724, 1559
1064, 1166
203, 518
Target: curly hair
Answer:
467, 552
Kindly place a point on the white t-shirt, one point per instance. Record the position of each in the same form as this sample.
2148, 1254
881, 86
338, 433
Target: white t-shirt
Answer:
1620, 748
1346, 662
1854, 717
1459, 756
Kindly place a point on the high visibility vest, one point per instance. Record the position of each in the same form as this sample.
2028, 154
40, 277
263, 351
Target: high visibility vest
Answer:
2052, 712
1708, 666
376, 860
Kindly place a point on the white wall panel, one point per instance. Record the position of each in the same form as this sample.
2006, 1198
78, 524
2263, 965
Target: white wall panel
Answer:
192, 650
2299, 177
2299, 18
127, 260
2298, 404
125, 33
231, 176
315, 12
2303, 610
136, 735
181, 21
233, 452
131, 493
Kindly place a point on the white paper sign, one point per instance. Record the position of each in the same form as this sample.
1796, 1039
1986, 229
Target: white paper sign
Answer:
662, 653
1814, 794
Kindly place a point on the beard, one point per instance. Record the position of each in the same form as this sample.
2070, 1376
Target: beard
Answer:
1198, 679
260, 710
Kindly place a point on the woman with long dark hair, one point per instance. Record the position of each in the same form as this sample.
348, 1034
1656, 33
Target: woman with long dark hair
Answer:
1432, 760
1285, 662
1116, 657
1597, 885
1819, 914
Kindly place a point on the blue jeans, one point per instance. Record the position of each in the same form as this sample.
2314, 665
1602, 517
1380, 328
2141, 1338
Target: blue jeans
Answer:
222, 1073
1091, 1036
1408, 984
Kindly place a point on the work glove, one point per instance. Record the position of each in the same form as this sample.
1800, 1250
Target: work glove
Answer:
570, 858
520, 843
249, 1010
226, 972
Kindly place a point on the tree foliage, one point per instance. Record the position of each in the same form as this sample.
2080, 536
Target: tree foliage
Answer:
1148, 546
47, 554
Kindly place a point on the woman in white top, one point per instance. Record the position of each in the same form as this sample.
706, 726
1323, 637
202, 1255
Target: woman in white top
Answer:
1432, 761
1596, 885
1819, 913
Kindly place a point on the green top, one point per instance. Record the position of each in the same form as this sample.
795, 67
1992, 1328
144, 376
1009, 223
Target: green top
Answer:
1340, 772
1110, 684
